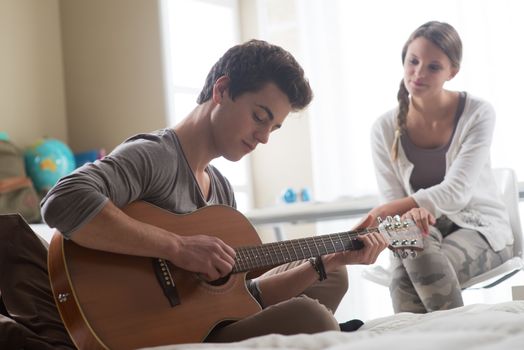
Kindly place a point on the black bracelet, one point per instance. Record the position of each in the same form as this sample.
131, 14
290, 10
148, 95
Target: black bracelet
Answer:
318, 265
321, 268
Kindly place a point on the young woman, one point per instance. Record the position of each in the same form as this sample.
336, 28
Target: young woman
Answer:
432, 163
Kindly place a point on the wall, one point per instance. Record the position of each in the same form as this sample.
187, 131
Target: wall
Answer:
114, 87
286, 160
32, 103
113, 69
86, 72
91, 73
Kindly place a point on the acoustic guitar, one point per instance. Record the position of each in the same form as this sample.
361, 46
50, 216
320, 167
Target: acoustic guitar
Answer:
115, 301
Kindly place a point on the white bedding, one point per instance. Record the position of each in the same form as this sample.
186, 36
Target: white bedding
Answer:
478, 326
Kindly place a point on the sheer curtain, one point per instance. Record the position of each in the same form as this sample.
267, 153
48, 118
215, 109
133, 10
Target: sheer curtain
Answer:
353, 58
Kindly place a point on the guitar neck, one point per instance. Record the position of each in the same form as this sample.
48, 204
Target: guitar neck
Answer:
278, 253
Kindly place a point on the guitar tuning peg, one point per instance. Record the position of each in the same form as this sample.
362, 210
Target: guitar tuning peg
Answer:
398, 223
413, 254
396, 255
404, 254
389, 222
379, 220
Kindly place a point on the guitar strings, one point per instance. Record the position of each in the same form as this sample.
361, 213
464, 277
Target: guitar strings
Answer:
276, 253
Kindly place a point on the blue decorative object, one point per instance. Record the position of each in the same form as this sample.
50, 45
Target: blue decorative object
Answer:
305, 196
47, 161
289, 196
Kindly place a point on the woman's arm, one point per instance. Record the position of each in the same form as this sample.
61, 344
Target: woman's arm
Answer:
395, 207
389, 184
392, 192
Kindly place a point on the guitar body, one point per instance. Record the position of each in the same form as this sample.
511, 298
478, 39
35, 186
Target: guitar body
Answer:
114, 301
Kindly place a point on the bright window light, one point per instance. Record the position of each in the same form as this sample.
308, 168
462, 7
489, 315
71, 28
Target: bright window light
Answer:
196, 33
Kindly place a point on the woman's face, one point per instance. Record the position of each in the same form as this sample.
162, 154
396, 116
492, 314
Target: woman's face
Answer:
426, 68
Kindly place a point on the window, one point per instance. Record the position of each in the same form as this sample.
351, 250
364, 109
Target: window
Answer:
196, 33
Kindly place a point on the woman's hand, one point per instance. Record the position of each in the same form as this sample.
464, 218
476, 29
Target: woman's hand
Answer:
422, 218
397, 206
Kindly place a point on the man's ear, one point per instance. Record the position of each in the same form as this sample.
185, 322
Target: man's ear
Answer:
220, 88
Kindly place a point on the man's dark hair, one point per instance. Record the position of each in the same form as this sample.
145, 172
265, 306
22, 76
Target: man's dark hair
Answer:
251, 65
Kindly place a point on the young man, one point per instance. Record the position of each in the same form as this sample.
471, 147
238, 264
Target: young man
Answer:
247, 95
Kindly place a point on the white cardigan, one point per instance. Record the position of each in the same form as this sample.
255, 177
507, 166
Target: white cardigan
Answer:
468, 194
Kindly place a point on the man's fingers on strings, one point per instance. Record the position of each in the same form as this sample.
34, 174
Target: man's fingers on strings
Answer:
372, 245
216, 269
228, 250
224, 267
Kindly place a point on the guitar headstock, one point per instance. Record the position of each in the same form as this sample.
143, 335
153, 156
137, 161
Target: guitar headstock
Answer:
404, 237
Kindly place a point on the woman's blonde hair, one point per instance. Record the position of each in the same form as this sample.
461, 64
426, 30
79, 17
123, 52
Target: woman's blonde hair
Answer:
444, 36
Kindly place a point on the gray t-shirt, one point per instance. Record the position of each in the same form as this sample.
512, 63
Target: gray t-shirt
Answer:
429, 164
150, 167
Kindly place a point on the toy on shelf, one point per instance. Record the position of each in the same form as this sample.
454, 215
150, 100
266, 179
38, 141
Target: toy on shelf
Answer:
291, 196
46, 161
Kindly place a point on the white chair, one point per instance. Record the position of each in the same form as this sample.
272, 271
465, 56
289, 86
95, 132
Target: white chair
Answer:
506, 180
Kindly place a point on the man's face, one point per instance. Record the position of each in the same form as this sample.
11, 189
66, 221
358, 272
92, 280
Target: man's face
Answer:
240, 125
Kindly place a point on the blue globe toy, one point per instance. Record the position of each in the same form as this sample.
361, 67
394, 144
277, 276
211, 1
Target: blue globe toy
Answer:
47, 161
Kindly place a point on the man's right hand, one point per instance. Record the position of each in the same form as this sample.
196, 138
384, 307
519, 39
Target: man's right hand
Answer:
208, 256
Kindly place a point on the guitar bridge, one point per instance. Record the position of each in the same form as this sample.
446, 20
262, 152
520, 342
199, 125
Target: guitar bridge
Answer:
164, 277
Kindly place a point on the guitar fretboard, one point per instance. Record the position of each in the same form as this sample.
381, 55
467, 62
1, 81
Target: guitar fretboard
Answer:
277, 253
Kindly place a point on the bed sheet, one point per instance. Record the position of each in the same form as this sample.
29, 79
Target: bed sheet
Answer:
477, 326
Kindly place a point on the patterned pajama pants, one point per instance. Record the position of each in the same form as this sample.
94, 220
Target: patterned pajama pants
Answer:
451, 256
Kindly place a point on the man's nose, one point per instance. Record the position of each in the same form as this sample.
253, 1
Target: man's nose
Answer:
262, 136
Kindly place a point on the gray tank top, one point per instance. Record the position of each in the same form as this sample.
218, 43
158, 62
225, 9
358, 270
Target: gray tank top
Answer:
429, 163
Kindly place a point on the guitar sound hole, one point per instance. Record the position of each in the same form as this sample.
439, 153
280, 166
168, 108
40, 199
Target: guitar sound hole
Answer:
220, 281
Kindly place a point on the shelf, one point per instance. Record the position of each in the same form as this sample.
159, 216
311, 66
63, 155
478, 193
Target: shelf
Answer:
312, 211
